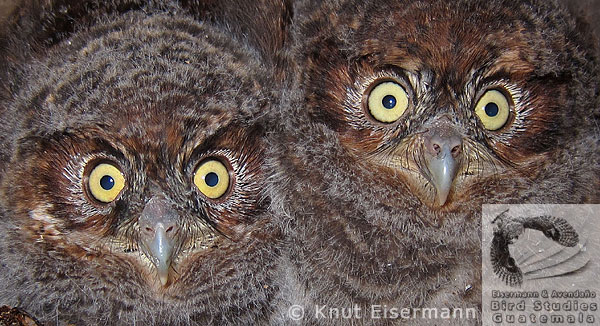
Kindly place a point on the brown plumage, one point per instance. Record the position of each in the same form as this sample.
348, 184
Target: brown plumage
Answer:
492, 102
16, 317
132, 174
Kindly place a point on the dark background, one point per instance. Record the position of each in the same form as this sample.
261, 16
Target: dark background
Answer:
588, 8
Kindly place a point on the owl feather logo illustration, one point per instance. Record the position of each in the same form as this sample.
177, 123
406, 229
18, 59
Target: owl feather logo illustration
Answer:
507, 229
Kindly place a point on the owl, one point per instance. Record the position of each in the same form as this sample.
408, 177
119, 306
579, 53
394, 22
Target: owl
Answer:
132, 168
508, 229
401, 119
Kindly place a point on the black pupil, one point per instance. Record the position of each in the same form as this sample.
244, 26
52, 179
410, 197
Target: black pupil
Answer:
491, 109
211, 179
389, 101
107, 182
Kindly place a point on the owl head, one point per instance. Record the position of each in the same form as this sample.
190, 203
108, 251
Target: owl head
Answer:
404, 118
456, 102
132, 192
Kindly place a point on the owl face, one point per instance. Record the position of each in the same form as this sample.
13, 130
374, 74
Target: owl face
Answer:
136, 171
163, 207
453, 101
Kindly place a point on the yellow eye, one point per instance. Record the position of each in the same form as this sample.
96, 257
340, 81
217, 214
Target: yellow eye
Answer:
493, 110
212, 179
106, 182
387, 102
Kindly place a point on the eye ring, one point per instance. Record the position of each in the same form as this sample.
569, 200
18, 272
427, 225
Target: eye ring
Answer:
212, 178
493, 109
105, 182
386, 101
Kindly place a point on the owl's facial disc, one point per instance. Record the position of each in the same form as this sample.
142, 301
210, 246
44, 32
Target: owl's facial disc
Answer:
438, 157
159, 235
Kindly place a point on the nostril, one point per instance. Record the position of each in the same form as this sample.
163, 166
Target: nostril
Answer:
157, 219
455, 150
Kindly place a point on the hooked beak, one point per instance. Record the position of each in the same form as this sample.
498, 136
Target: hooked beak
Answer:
443, 147
443, 169
158, 228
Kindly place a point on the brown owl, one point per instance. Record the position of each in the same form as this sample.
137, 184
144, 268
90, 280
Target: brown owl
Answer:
404, 118
131, 172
